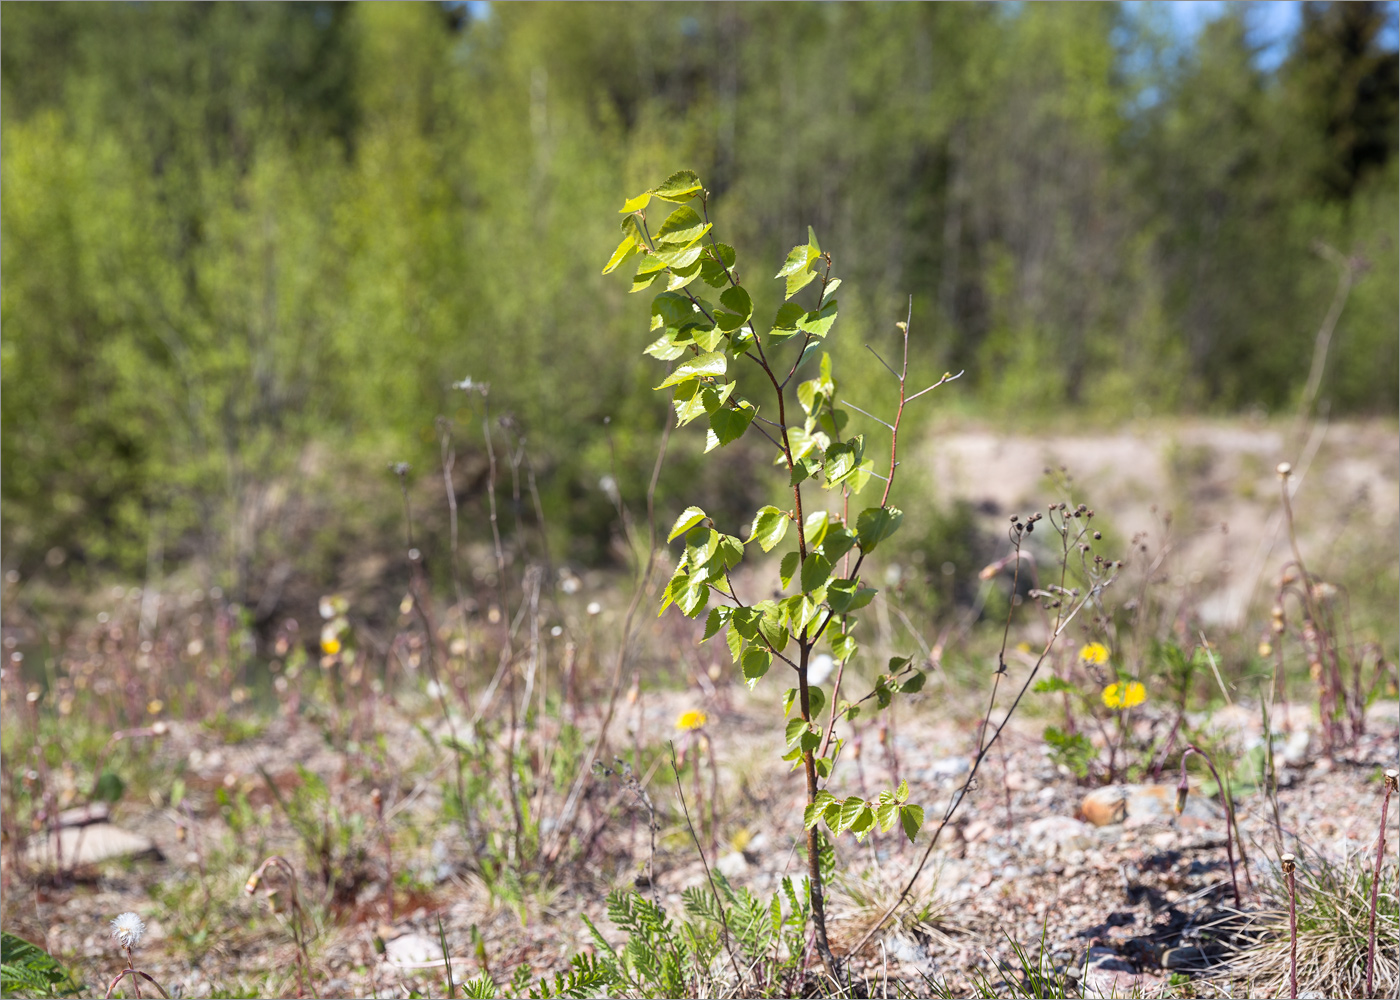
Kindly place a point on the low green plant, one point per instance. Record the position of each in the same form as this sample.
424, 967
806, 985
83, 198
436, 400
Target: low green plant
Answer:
28, 970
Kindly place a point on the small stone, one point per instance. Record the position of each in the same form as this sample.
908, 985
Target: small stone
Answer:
903, 948
412, 949
732, 865
1141, 805
949, 767
1164, 841
978, 830
1056, 835
1018, 782
88, 845
1295, 750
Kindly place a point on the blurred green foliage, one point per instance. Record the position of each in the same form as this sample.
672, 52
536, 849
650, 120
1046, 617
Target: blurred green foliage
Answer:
248, 248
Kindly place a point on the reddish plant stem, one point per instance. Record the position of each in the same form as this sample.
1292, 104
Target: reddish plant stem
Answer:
1391, 778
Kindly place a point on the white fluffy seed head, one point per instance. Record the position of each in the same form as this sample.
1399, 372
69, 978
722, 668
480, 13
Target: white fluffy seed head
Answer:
127, 929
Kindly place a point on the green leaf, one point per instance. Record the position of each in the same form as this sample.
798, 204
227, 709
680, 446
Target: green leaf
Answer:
816, 701
902, 792
861, 475
832, 814
688, 401
714, 265
914, 683
674, 310
794, 729
816, 569
885, 815
756, 662
714, 622
840, 461
846, 596
788, 568
789, 697
644, 279
700, 544
772, 629
664, 348
680, 186
624, 252
818, 322
735, 642
746, 621
813, 247
635, 204
682, 276
707, 338
811, 739
911, 818
737, 300
864, 820
815, 526
799, 281
850, 809
831, 286
731, 551
803, 468
682, 227
729, 423
800, 611
677, 583
875, 524
1051, 685
693, 598
769, 527
689, 518
838, 541
789, 315
843, 645
797, 260
729, 322
678, 258
709, 365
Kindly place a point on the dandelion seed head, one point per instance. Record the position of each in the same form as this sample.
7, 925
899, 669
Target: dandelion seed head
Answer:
127, 929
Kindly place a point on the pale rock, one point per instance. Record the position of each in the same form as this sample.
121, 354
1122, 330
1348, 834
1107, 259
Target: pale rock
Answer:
1056, 835
978, 830
1295, 749
412, 949
1019, 782
1136, 806
949, 768
905, 949
732, 865
87, 845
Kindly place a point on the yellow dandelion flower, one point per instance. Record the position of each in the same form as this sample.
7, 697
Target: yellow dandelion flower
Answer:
330, 645
1124, 695
154, 706
1023, 646
691, 719
1266, 648
1094, 652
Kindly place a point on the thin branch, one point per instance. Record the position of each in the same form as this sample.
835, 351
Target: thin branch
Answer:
847, 402
943, 381
883, 362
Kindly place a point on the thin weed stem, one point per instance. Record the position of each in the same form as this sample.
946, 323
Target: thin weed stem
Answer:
1289, 866
1391, 779
723, 917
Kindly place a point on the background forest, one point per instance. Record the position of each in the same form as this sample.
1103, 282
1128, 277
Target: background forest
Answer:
248, 249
